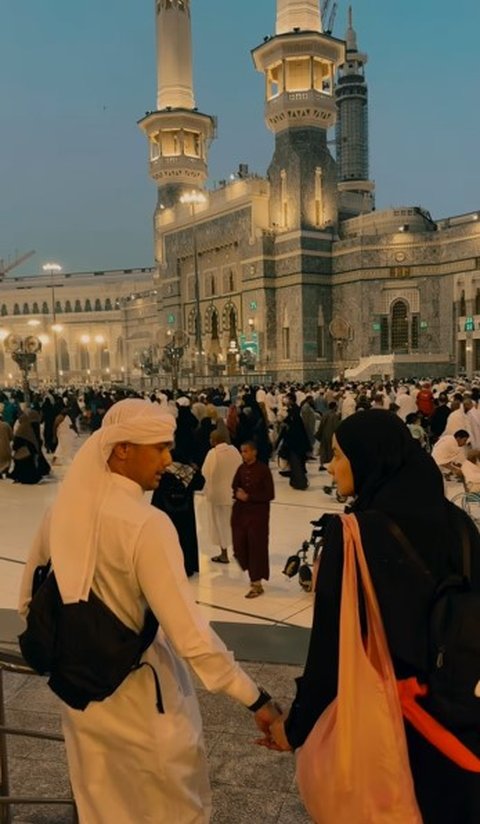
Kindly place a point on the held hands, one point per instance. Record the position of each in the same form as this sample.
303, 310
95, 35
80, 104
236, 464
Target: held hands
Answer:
270, 720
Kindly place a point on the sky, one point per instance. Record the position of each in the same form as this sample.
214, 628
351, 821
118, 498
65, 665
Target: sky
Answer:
76, 76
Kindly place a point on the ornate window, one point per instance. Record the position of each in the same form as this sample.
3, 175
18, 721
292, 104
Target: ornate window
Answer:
78, 306
45, 309
108, 305
16, 309
26, 310
88, 305
462, 304
68, 306
35, 309
58, 307
98, 305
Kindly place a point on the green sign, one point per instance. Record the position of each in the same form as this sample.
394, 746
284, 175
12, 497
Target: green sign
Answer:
253, 304
423, 324
469, 325
250, 343
171, 319
376, 327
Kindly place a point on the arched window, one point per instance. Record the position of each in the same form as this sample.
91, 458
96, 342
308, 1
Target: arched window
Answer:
103, 357
4, 310
35, 309
63, 356
68, 306
88, 305
98, 305
45, 309
232, 322
214, 325
84, 357
477, 302
108, 305
16, 309
58, 307
462, 304
78, 306
26, 310
120, 351
231, 281
400, 326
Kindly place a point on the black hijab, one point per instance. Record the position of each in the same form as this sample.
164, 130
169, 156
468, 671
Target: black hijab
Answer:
391, 471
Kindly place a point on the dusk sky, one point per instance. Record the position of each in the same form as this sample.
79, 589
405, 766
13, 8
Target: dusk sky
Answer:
76, 76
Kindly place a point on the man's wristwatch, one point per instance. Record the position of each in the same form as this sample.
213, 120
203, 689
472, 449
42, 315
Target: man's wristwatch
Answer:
262, 699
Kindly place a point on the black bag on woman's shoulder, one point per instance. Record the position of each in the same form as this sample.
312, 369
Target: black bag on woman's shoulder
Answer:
84, 647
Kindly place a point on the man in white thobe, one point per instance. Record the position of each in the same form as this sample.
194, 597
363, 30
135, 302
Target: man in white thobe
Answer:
128, 762
218, 470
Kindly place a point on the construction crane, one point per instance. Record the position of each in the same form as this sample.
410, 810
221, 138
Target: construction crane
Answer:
9, 265
329, 13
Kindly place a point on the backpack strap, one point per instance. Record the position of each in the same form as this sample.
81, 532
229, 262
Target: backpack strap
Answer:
407, 546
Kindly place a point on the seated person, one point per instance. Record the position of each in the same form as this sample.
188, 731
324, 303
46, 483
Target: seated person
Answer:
449, 452
414, 423
471, 472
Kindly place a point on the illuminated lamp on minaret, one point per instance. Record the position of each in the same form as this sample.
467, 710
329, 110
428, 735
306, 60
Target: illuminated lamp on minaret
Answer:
179, 135
299, 63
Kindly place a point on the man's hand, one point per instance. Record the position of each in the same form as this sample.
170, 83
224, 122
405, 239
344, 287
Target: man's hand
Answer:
266, 715
241, 495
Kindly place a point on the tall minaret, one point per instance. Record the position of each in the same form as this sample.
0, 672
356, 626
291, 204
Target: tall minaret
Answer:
356, 190
299, 65
179, 135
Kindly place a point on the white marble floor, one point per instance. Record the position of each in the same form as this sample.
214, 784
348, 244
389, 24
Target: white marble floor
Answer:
220, 589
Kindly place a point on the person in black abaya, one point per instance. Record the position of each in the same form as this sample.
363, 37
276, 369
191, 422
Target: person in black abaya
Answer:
29, 462
175, 496
376, 459
295, 446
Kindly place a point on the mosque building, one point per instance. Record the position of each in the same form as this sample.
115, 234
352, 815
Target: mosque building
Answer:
294, 275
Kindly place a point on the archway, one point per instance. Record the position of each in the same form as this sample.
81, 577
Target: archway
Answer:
400, 337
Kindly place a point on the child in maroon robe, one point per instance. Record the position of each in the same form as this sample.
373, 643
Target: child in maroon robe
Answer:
252, 490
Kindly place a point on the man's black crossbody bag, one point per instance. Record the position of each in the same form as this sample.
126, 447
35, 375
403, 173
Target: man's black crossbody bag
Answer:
86, 650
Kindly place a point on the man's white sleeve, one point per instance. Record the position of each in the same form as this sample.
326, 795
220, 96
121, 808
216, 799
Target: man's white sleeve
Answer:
158, 563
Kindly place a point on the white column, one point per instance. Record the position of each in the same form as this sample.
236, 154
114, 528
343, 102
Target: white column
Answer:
174, 55
298, 14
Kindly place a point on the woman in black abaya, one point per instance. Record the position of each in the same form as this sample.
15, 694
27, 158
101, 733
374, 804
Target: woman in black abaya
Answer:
376, 459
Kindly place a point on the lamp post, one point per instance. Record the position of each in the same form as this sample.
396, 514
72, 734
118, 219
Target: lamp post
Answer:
54, 269
24, 352
193, 199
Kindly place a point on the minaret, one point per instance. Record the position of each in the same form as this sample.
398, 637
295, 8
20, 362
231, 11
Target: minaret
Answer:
356, 190
299, 65
179, 135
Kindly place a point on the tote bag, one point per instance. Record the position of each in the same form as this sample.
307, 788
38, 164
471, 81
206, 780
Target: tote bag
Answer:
353, 767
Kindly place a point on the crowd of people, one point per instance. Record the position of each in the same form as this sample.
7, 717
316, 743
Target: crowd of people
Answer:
388, 446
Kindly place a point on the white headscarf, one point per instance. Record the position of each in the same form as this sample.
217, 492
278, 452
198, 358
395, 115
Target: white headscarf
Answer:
75, 517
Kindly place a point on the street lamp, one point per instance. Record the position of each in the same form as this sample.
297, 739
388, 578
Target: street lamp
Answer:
24, 352
193, 199
54, 269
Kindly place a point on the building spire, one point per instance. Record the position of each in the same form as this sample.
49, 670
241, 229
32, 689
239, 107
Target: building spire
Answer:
302, 15
351, 36
174, 55
355, 188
